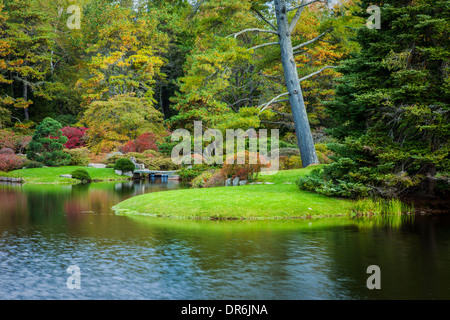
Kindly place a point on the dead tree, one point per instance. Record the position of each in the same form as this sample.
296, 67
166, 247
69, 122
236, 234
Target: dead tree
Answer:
284, 29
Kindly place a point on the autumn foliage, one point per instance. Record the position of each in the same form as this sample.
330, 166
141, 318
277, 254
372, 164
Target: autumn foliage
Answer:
146, 141
76, 137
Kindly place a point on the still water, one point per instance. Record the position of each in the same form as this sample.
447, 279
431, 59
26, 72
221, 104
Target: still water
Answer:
46, 229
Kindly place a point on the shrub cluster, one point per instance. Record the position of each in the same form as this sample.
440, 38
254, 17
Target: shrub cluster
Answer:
81, 174
336, 179
190, 173
9, 162
124, 165
246, 171
34, 164
17, 142
216, 180
79, 156
201, 180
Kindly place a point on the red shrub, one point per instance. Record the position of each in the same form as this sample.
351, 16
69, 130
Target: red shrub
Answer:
128, 147
9, 162
18, 143
146, 141
246, 171
76, 136
6, 151
7, 139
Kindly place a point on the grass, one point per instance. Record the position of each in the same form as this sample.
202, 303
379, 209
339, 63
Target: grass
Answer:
52, 174
287, 176
276, 200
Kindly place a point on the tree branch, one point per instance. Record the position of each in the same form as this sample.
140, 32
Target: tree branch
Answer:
314, 73
310, 41
271, 101
264, 18
297, 15
303, 5
252, 29
263, 45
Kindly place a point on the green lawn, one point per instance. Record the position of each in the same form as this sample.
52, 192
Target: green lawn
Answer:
286, 176
52, 174
259, 201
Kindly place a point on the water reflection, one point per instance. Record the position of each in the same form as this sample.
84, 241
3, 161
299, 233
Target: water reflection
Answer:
44, 229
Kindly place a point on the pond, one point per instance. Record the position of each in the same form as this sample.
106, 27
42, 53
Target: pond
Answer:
44, 229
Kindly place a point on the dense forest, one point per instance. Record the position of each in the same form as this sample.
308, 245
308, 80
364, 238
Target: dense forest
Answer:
114, 72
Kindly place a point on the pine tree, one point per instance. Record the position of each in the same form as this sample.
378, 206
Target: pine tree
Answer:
391, 108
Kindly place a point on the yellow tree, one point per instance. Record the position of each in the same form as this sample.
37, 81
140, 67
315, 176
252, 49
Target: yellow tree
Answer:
126, 57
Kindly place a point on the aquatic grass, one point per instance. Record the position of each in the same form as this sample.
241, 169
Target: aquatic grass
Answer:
381, 206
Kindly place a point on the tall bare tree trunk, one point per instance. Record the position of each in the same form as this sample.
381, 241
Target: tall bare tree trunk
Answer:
301, 122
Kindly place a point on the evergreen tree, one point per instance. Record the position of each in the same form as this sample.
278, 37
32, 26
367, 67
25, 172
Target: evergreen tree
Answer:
391, 108
47, 144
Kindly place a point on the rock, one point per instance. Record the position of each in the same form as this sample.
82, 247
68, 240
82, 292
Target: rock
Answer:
66, 176
228, 182
97, 165
128, 173
287, 182
119, 172
242, 182
269, 183
139, 166
235, 181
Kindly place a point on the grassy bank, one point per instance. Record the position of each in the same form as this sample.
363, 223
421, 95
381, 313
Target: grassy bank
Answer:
276, 197
52, 174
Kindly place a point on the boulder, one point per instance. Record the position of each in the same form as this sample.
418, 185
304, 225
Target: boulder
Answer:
228, 182
235, 181
128, 173
119, 172
66, 176
242, 182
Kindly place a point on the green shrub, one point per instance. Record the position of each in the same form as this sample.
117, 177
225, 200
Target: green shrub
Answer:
328, 181
160, 164
81, 174
124, 165
150, 153
188, 174
79, 156
323, 153
34, 164
292, 162
202, 179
